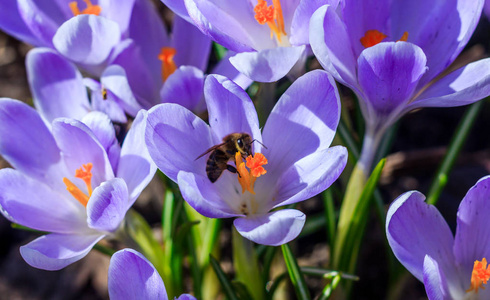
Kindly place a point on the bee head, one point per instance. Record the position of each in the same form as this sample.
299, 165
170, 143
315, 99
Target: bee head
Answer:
244, 144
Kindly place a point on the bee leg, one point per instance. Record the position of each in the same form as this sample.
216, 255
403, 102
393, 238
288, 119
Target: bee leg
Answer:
232, 169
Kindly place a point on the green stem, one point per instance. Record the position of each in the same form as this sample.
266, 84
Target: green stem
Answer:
457, 142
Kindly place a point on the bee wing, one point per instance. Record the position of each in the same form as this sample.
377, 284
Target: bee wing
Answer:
209, 150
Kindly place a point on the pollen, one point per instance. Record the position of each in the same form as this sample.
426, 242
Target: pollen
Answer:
404, 37
247, 178
90, 10
372, 37
84, 173
272, 16
479, 276
167, 55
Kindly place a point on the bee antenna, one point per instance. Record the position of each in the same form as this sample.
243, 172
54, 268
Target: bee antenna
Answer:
259, 143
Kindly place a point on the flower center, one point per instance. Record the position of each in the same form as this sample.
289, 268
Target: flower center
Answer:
374, 37
168, 65
479, 276
272, 15
254, 163
90, 10
86, 176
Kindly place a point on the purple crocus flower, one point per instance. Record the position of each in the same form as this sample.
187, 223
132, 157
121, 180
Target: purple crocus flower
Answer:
72, 181
162, 66
450, 267
297, 135
59, 90
269, 37
85, 32
132, 276
390, 78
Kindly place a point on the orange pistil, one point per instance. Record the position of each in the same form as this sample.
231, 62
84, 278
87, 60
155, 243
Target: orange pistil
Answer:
168, 65
90, 10
86, 176
404, 37
374, 37
272, 15
479, 276
254, 163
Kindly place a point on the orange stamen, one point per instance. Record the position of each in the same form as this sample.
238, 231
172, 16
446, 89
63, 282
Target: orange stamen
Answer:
372, 37
254, 163
272, 15
168, 65
404, 37
90, 10
86, 176
479, 276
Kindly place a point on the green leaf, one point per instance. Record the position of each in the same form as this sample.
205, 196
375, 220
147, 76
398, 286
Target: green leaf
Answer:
295, 274
329, 288
454, 148
241, 290
223, 279
219, 50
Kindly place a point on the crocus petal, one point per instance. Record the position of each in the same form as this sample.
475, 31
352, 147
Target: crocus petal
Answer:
472, 241
145, 15
33, 204
30, 151
360, 16
175, 137
87, 39
143, 83
55, 251
41, 25
272, 229
114, 79
186, 297
230, 108
303, 121
435, 281
12, 23
441, 31
56, 85
103, 100
108, 205
331, 46
119, 12
301, 20
103, 129
225, 68
132, 276
135, 165
388, 74
406, 228
80, 146
223, 28
203, 196
461, 87
178, 7
310, 176
192, 46
184, 87
267, 65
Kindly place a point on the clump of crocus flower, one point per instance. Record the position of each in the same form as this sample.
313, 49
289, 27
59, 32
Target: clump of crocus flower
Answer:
72, 180
296, 165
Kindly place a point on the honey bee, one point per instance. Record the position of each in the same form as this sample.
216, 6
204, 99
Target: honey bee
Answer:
222, 153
